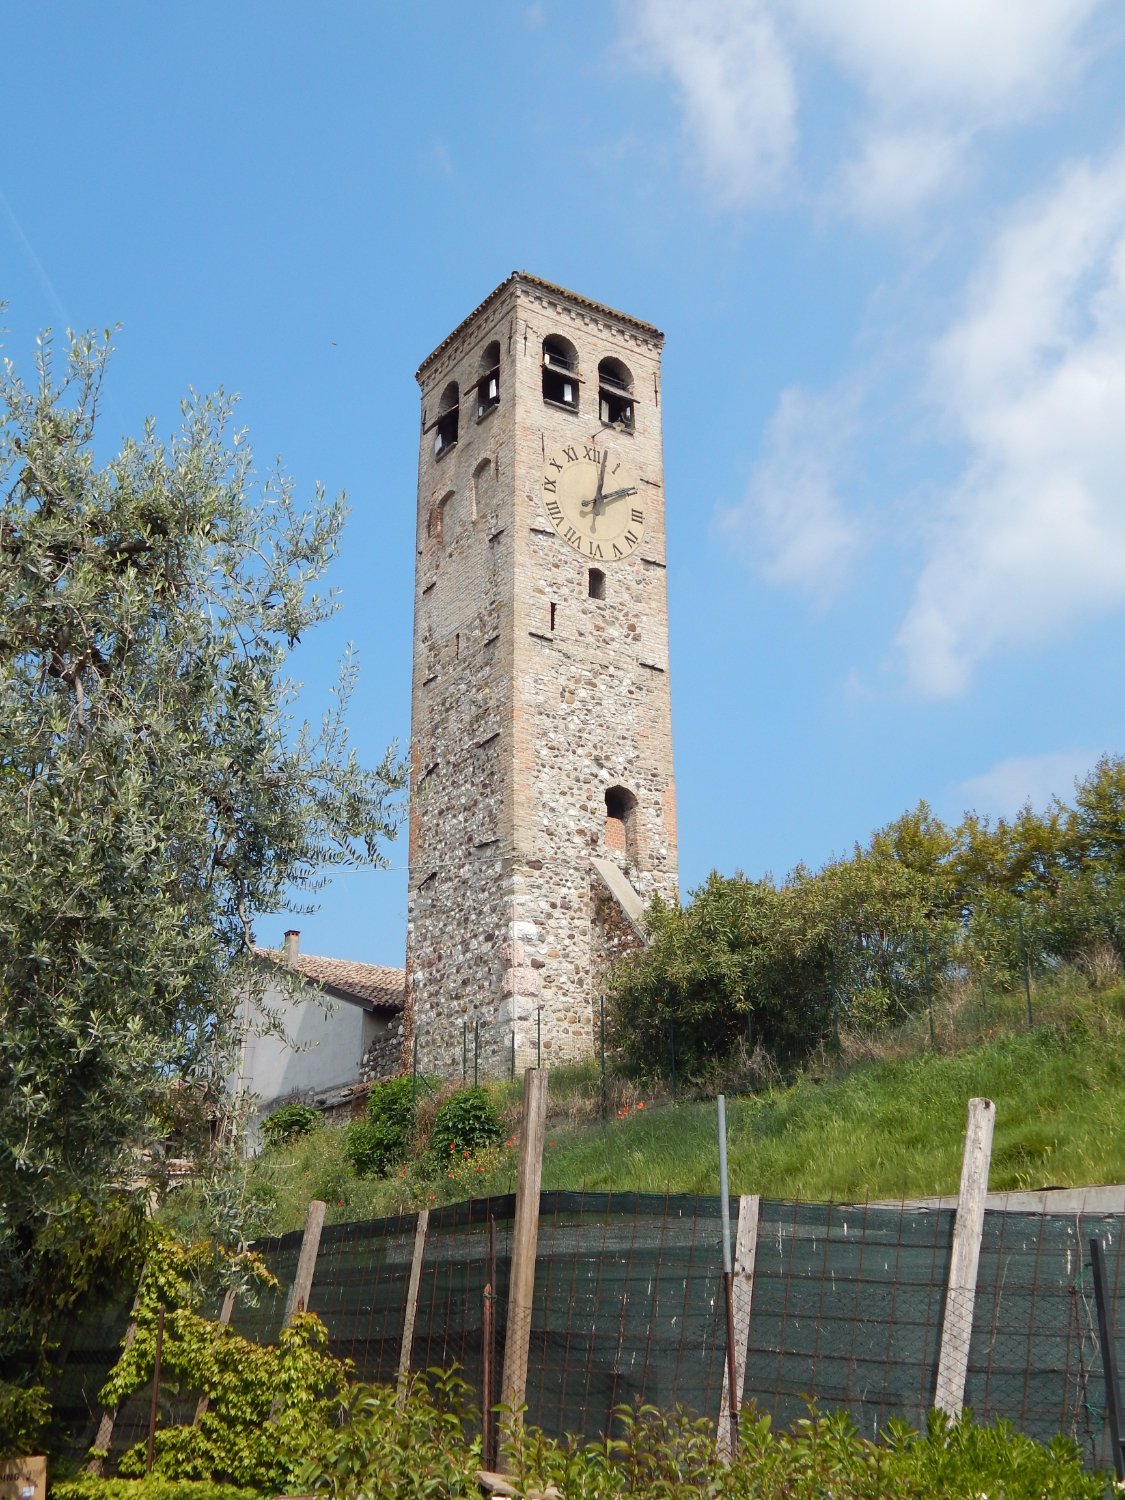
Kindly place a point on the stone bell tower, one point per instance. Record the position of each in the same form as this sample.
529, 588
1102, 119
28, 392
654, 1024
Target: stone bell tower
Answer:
543, 812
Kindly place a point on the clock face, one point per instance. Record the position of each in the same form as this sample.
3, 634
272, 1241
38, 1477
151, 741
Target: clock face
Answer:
591, 499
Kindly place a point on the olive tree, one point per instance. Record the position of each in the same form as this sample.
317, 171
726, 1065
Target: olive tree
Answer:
155, 793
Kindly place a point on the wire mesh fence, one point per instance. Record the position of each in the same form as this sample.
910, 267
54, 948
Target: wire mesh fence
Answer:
846, 1307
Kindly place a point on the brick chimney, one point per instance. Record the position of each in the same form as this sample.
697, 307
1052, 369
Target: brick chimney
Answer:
292, 947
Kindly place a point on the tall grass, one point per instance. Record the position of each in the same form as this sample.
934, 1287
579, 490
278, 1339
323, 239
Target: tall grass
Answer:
884, 1118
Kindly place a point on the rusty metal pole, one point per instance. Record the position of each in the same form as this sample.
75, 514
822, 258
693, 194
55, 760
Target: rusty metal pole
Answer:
488, 1330
155, 1388
728, 1275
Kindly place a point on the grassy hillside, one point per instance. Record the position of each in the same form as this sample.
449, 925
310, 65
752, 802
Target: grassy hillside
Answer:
886, 1126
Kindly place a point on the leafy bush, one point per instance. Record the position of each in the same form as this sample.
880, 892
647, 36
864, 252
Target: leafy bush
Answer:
152, 1487
290, 1122
382, 1139
24, 1414
467, 1121
269, 1405
419, 1448
864, 942
427, 1447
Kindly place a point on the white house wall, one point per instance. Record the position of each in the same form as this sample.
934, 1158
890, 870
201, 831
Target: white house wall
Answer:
322, 1048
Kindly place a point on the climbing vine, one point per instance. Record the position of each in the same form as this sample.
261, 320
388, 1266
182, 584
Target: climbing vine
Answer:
268, 1406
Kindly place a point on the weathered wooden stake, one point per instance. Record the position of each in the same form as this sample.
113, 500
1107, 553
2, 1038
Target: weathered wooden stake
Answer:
411, 1311
745, 1250
109, 1415
960, 1296
525, 1238
224, 1318
298, 1299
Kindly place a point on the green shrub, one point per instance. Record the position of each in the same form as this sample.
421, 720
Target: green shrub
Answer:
289, 1123
467, 1121
24, 1414
152, 1487
426, 1448
371, 1148
374, 1144
270, 1405
421, 1447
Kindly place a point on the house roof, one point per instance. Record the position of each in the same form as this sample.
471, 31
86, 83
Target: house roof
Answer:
372, 985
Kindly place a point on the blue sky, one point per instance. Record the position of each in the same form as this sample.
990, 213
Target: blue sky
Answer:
886, 244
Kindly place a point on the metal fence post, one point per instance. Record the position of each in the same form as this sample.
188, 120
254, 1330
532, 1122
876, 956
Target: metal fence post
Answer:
155, 1390
1025, 964
488, 1354
728, 1276
1109, 1357
603, 1098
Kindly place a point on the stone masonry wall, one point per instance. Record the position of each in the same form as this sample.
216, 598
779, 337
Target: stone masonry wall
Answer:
594, 691
524, 714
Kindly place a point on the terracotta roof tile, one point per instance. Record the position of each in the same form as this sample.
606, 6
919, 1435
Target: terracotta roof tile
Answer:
372, 983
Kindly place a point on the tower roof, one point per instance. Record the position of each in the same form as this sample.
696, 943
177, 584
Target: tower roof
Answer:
525, 278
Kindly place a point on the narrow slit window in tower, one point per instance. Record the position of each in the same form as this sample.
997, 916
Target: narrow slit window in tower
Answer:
597, 583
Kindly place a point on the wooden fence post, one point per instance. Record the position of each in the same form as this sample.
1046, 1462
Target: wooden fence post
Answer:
104, 1434
525, 1238
960, 1296
225, 1313
298, 1298
745, 1250
412, 1303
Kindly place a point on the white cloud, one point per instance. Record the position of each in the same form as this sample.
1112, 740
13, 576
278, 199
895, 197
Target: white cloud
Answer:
1007, 787
792, 522
991, 58
897, 172
735, 82
930, 78
1031, 542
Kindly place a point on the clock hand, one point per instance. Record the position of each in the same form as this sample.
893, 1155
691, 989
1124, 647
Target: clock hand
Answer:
619, 494
597, 500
